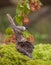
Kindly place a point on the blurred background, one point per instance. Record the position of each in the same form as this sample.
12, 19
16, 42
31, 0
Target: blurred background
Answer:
40, 20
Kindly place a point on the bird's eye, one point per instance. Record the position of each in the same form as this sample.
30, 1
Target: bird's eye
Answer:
26, 27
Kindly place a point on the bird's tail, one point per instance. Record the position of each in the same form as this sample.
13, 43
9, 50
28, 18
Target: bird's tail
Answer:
13, 25
10, 19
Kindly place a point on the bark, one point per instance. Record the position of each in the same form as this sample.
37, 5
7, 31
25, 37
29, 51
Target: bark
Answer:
25, 47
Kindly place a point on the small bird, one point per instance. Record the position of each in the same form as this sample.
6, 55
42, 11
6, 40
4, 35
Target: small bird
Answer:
18, 28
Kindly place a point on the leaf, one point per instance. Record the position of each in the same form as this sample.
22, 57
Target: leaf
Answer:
26, 9
19, 20
9, 31
26, 34
19, 9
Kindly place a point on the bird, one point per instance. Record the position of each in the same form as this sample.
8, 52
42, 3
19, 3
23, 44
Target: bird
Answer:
18, 28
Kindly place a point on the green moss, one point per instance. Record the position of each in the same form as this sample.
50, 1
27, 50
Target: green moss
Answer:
42, 51
10, 56
38, 62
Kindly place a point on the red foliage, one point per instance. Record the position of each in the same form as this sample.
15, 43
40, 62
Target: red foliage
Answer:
31, 39
25, 21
